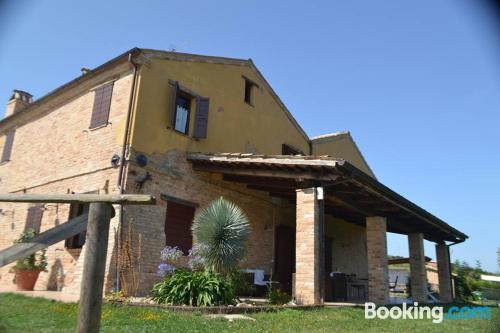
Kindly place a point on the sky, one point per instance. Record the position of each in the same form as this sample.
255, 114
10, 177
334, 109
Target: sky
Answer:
416, 82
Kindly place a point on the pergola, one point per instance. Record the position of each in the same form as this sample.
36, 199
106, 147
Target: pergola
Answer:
334, 186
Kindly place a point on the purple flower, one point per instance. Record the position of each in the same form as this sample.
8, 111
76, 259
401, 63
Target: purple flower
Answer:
171, 254
165, 270
196, 261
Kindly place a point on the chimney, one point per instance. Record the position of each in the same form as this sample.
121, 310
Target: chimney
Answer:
18, 101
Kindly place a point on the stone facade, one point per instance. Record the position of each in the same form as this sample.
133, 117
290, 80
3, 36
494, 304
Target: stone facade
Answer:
418, 273
172, 175
444, 274
378, 274
55, 152
307, 279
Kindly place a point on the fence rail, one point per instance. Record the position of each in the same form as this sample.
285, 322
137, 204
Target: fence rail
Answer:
97, 224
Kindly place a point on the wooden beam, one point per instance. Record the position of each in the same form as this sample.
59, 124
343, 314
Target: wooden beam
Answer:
94, 266
336, 200
43, 240
299, 175
122, 199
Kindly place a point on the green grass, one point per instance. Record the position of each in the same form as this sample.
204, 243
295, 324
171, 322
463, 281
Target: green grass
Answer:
24, 314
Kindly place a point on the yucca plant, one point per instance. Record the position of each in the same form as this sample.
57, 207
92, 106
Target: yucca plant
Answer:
222, 229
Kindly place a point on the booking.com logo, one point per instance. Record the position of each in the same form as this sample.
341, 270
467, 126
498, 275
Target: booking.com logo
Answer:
436, 313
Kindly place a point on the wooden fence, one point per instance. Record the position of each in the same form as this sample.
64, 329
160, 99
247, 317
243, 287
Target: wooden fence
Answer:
96, 222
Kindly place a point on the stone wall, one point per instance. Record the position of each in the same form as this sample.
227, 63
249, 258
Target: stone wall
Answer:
378, 275
307, 279
172, 174
55, 152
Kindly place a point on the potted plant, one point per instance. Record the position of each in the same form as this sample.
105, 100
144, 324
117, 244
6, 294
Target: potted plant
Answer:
27, 270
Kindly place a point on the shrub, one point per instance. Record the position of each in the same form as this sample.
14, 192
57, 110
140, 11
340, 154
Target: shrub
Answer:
277, 296
34, 262
195, 288
242, 286
222, 229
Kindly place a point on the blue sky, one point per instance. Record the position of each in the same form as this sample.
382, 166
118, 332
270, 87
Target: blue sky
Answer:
416, 82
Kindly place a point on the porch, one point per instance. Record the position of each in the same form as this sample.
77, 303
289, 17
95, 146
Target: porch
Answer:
312, 255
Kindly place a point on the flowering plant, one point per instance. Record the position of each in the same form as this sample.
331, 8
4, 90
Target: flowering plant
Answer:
170, 257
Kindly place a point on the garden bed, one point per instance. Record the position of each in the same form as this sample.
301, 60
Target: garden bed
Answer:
226, 309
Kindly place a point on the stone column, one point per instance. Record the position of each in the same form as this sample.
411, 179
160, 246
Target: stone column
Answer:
307, 245
418, 273
443, 263
378, 273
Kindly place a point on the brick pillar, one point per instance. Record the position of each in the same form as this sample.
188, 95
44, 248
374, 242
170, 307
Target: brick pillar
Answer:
418, 273
443, 262
307, 244
378, 273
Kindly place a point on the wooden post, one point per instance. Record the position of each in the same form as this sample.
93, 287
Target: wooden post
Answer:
89, 311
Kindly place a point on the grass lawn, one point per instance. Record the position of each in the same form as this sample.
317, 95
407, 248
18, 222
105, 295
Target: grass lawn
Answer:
25, 314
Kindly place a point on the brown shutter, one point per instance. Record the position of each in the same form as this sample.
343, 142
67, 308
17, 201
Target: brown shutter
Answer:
34, 218
102, 104
201, 117
178, 225
175, 91
7, 147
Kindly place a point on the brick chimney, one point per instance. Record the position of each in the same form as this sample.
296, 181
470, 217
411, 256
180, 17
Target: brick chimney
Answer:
18, 101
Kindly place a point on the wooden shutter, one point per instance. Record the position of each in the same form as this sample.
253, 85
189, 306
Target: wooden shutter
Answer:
34, 218
7, 147
175, 91
102, 104
201, 117
178, 225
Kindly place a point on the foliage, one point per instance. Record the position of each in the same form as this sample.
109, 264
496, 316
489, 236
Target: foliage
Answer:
34, 262
242, 287
222, 228
468, 280
277, 296
195, 288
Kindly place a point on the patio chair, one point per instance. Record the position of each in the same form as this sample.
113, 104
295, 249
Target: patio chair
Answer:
393, 285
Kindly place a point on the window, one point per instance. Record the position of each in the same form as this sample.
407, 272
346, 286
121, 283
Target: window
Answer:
7, 147
77, 241
249, 85
182, 110
102, 104
290, 150
34, 218
178, 225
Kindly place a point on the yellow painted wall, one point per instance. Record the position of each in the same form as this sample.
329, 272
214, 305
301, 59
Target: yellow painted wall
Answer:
233, 125
342, 147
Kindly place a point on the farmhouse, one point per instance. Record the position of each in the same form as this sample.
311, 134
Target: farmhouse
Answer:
188, 129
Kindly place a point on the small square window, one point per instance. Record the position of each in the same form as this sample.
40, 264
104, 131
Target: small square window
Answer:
182, 111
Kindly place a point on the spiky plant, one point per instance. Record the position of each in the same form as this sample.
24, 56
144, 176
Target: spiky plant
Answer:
222, 229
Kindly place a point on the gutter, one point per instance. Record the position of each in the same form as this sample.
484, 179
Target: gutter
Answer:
121, 177
449, 265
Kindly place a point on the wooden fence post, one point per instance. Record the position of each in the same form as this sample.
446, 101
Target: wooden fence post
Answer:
89, 309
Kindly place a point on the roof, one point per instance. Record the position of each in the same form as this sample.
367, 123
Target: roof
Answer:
397, 261
339, 136
350, 193
179, 56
